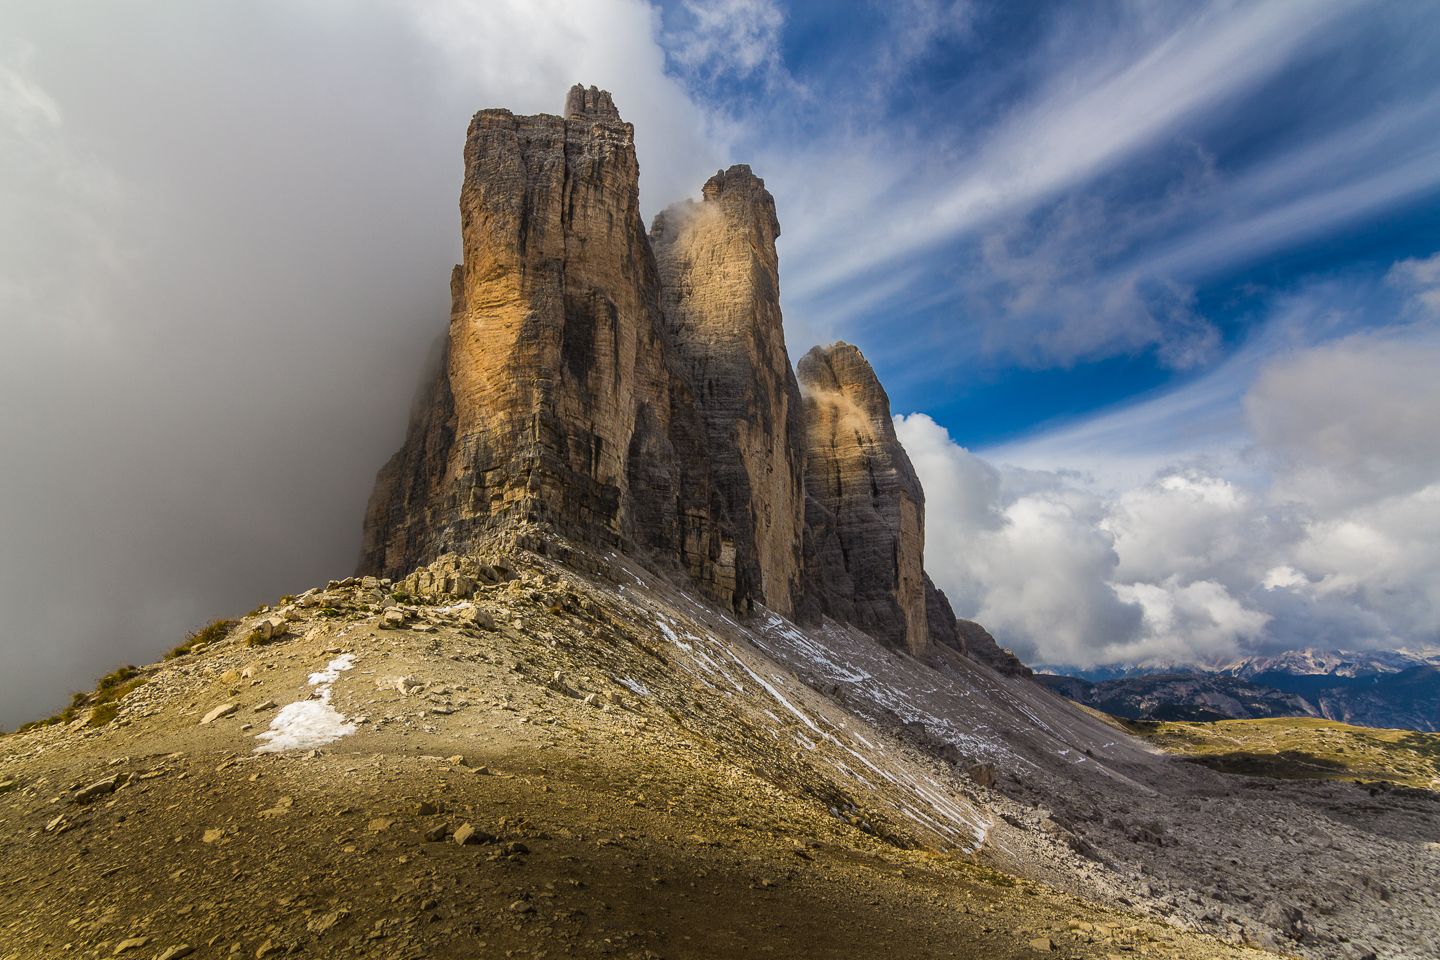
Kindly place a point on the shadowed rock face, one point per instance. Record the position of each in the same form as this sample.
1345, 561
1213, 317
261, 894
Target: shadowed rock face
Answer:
979, 645
561, 402
869, 538
721, 298
634, 392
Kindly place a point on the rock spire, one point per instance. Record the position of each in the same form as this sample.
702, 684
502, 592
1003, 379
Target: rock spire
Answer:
868, 563
627, 391
720, 293
560, 402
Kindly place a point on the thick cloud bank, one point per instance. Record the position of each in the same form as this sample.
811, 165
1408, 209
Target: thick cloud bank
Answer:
1321, 527
226, 234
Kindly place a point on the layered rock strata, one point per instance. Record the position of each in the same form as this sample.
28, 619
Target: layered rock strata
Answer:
560, 401
980, 646
630, 391
868, 510
720, 293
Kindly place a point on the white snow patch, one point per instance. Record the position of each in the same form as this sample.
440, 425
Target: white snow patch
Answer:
783, 702
310, 723
636, 686
332, 670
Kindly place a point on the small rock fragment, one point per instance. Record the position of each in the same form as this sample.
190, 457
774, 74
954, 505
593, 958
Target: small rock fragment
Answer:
1043, 944
521, 907
224, 710
100, 788
176, 952
132, 943
212, 835
326, 922
474, 616
272, 628
466, 834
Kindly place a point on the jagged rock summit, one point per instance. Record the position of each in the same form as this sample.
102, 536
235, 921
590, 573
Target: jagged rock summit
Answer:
611, 389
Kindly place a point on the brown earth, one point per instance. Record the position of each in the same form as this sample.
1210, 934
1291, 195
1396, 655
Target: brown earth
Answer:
644, 831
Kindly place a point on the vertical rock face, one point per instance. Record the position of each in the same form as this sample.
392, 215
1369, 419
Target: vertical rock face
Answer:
979, 645
720, 293
561, 401
632, 391
870, 557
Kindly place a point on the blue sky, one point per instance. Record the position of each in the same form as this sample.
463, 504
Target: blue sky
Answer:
1153, 286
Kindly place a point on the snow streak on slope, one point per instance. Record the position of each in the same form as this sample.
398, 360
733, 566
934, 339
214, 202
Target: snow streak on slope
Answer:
310, 723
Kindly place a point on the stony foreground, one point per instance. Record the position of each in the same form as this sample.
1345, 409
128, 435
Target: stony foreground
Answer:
576, 764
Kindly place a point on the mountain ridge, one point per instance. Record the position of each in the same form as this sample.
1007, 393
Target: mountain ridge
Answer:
647, 664
1381, 689
631, 390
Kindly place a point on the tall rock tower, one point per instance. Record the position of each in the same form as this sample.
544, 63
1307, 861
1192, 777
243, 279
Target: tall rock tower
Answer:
561, 401
720, 293
868, 510
632, 391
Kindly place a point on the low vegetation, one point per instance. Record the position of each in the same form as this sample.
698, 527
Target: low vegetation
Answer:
212, 632
104, 701
1299, 748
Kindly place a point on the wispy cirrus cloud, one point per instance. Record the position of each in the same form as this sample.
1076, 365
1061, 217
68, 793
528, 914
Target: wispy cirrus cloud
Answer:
1081, 119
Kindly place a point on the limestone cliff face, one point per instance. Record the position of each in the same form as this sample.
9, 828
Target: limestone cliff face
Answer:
720, 293
634, 392
869, 513
561, 402
979, 645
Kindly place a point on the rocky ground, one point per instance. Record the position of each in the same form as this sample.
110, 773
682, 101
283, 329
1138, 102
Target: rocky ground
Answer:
631, 776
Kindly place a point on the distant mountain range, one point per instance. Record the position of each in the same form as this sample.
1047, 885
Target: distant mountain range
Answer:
1371, 689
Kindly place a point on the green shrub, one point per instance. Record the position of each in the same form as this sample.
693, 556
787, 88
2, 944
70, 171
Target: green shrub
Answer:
108, 683
212, 632
103, 714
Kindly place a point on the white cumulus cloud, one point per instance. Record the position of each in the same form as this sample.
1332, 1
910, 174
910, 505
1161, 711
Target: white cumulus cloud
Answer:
1330, 536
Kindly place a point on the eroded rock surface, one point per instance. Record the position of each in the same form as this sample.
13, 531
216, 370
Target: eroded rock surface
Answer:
721, 298
869, 509
607, 388
560, 401
980, 646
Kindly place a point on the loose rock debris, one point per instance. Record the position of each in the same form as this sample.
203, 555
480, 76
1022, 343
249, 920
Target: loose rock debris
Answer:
598, 786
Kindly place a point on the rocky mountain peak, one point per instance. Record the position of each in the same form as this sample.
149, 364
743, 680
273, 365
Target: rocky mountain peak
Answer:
561, 407
613, 390
860, 474
590, 103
